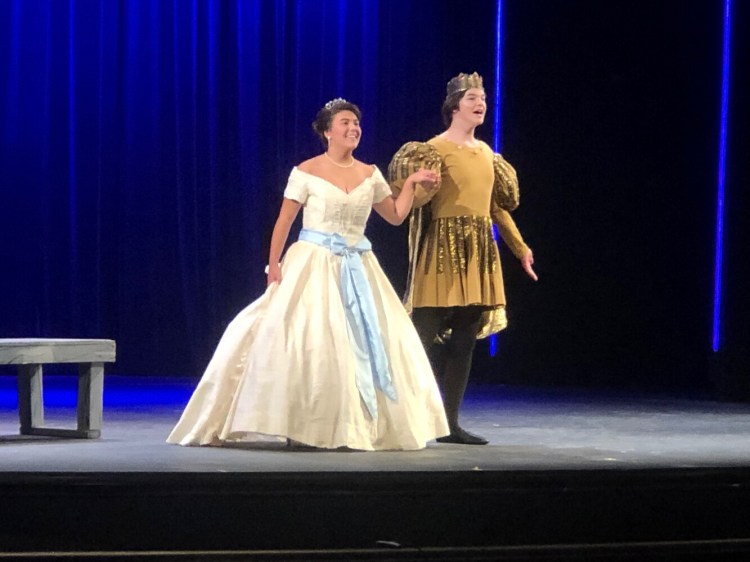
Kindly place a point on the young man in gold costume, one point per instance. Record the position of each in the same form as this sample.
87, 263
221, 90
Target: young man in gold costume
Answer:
455, 285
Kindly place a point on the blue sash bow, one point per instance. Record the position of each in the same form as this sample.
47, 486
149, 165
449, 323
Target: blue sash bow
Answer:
361, 317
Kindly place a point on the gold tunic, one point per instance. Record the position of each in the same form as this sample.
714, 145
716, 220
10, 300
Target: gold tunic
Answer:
458, 262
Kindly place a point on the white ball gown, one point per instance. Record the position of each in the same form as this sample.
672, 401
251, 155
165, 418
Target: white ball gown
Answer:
288, 365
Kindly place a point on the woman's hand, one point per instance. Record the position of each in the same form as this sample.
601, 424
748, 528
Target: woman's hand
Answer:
526, 262
395, 209
289, 210
274, 274
427, 178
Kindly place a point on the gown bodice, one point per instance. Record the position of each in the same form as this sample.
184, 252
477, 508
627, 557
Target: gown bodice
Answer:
326, 208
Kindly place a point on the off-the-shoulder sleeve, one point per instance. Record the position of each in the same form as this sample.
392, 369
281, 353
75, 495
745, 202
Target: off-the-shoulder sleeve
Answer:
296, 187
380, 186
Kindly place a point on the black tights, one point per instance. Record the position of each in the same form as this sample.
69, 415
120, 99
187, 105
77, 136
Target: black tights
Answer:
451, 360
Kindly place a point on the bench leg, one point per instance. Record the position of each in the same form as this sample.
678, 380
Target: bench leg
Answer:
30, 404
90, 394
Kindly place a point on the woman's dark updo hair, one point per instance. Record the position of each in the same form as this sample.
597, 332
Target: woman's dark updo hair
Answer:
450, 105
324, 118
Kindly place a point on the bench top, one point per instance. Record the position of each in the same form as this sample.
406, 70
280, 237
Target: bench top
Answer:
26, 351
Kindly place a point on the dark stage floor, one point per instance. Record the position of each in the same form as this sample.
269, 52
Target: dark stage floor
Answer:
528, 430
568, 474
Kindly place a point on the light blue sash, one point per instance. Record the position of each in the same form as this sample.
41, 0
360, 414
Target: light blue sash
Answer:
361, 317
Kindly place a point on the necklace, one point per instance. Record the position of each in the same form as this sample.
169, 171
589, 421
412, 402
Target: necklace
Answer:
349, 165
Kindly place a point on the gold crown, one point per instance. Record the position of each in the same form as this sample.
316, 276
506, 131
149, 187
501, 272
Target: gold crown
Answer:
463, 82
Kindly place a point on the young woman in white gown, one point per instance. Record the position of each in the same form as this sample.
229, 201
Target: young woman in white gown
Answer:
327, 356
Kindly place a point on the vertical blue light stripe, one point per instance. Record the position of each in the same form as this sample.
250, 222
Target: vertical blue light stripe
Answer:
194, 111
497, 142
498, 110
718, 265
213, 79
100, 70
13, 70
341, 33
72, 163
47, 263
297, 82
71, 125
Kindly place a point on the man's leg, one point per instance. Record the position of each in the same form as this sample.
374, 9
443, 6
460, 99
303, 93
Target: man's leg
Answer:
429, 322
459, 348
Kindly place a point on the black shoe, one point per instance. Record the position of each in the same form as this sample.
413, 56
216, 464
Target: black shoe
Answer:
463, 437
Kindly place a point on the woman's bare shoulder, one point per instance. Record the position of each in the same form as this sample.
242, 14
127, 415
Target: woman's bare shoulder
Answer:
310, 165
365, 168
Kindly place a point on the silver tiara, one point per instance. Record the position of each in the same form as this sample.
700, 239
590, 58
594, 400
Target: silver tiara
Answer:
334, 102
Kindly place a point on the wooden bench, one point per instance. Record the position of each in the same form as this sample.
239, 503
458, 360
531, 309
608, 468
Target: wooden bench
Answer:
31, 354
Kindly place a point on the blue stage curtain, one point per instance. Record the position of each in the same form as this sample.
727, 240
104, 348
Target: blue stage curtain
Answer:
145, 145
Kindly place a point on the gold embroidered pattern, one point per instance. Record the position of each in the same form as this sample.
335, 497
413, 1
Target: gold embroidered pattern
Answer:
490, 250
505, 189
430, 249
411, 157
441, 249
461, 246
460, 240
450, 226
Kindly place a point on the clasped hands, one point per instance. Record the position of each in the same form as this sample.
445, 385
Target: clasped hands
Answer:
426, 178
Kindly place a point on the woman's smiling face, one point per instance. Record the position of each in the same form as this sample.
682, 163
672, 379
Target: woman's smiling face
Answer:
345, 131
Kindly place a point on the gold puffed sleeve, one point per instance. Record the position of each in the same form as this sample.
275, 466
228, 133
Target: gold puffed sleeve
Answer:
505, 198
411, 157
505, 192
